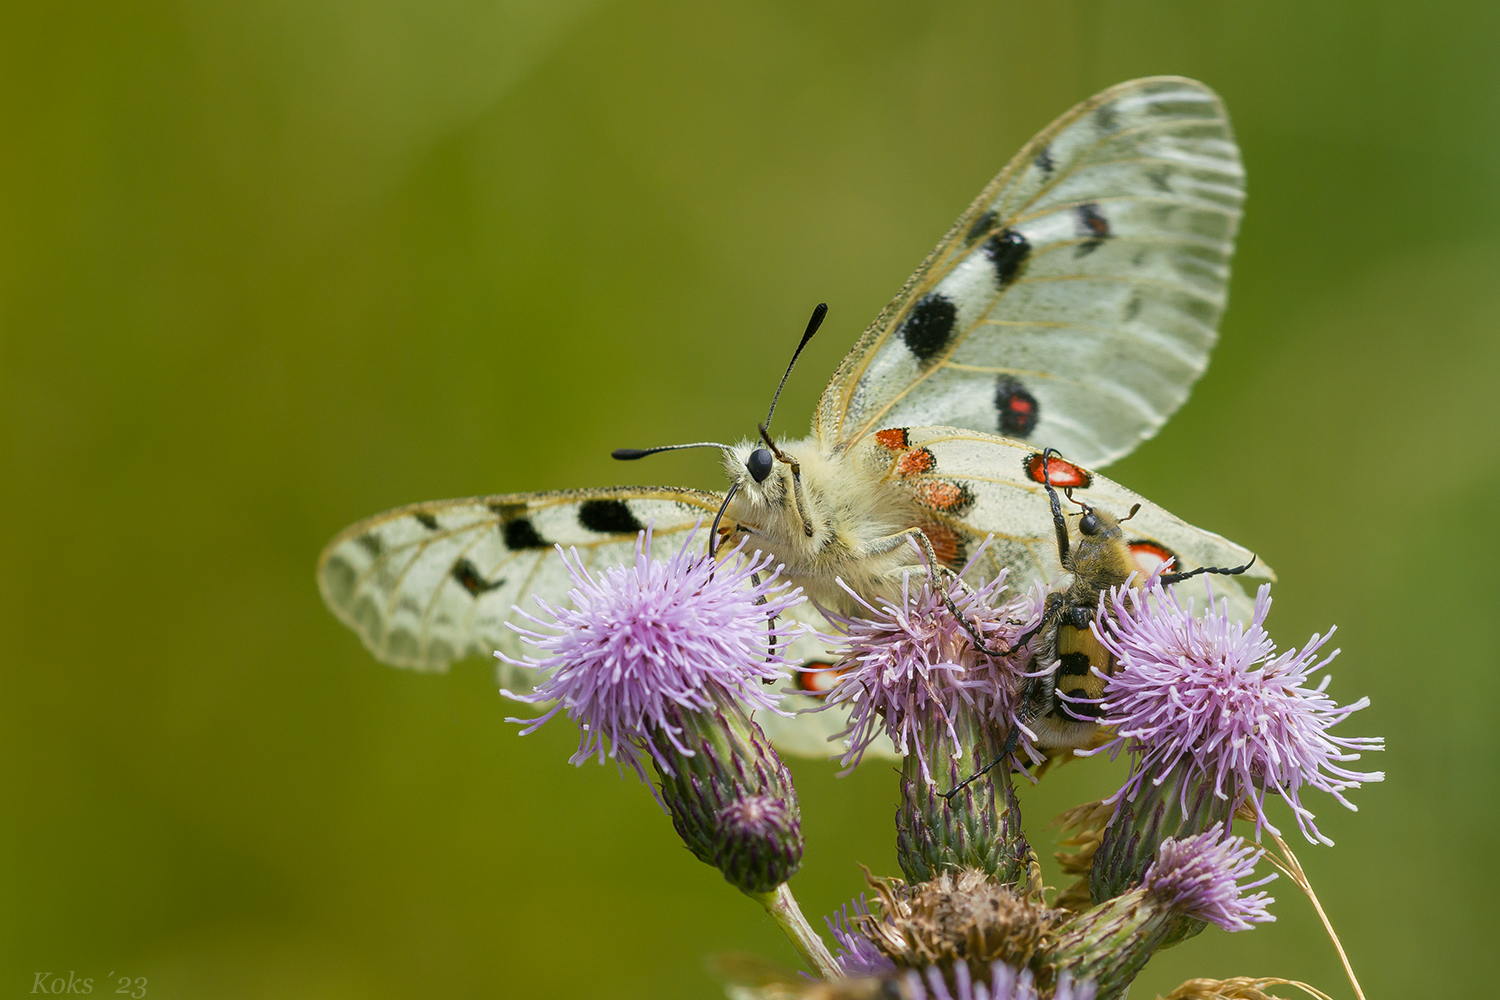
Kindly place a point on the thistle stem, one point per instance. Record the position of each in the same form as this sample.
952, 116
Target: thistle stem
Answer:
1292, 868
783, 908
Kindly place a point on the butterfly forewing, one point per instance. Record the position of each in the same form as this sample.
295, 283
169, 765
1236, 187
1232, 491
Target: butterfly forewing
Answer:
426, 585
1075, 303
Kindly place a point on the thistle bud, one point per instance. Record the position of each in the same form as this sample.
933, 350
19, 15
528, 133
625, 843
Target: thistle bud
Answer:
979, 827
1191, 881
731, 798
1182, 805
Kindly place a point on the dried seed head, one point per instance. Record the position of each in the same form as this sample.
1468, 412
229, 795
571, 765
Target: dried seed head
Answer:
956, 919
998, 982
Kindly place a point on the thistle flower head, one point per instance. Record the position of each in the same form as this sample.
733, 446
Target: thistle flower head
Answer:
911, 664
644, 643
1005, 983
857, 954
1208, 690
1199, 877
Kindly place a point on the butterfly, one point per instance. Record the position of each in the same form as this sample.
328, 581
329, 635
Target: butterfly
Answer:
1070, 307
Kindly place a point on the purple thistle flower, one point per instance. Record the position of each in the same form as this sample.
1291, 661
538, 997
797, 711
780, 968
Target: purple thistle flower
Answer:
913, 665
857, 954
1005, 983
646, 642
1198, 877
1188, 688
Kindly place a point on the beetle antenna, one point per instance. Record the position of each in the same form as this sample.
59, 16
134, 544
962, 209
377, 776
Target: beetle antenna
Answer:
812, 328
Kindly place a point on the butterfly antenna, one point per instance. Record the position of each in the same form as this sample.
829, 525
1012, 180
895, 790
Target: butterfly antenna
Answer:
631, 454
812, 328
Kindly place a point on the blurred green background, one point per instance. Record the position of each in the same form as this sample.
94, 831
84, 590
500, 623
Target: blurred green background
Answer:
271, 267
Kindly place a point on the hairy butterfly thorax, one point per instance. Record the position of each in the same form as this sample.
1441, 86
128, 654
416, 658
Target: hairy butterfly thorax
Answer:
827, 516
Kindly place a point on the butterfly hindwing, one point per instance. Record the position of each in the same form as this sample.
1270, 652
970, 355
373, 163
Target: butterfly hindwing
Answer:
426, 585
975, 485
1075, 302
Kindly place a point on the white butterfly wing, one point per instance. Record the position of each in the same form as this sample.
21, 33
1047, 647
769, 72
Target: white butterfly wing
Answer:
1076, 301
426, 585
973, 485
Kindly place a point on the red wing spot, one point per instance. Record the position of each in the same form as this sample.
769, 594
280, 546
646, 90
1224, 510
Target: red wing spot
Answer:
817, 682
916, 461
950, 498
894, 438
1095, 223
1149, 555
1018, 408
1063, 474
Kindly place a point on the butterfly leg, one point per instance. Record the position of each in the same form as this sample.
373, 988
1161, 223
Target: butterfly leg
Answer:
934, 569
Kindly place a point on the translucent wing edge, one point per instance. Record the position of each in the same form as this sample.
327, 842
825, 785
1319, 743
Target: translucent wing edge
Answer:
344, 613
834, 402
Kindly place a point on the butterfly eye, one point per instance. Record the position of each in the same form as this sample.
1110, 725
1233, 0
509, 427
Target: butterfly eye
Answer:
759, 464
1088, 523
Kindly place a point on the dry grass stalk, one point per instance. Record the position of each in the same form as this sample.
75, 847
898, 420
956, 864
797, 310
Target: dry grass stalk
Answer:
1289, 866
1238, 988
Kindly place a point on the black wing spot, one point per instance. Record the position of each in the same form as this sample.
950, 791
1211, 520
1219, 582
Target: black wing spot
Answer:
1043, 160
1019, 411
427, 521
519, 534
929, 328
371, 543
467, 575
1106, 117
612, 517
1093, 227
981, 225
1008, 251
